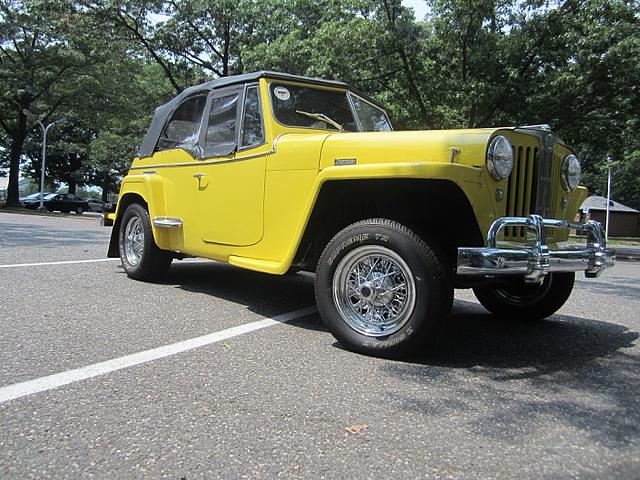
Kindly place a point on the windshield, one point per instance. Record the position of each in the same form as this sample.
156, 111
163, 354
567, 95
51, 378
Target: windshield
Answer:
296, 106
50, 196
310, 107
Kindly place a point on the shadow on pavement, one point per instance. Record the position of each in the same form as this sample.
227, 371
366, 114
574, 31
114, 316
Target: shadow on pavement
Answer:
571, 369
263, 294
574, 370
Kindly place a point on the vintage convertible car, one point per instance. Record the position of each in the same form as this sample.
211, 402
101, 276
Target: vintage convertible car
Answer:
275, 172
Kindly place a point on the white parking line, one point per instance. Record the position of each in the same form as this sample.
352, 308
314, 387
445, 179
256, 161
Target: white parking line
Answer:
67, 262
42, 384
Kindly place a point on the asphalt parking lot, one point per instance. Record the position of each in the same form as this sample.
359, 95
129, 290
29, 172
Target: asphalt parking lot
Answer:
86, 392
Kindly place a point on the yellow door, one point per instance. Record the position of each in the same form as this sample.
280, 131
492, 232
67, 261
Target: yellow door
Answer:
230, 198
231, 185
216, 186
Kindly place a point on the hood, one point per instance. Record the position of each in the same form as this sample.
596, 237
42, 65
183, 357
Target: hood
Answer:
409, 146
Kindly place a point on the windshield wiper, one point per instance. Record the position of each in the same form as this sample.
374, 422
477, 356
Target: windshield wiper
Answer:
323, 118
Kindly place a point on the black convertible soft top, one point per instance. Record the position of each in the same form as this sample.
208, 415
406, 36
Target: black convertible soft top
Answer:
162, 113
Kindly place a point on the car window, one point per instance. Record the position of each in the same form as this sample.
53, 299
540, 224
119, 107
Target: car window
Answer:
371, 118
181, 131
292, 106
221, 126
252, 121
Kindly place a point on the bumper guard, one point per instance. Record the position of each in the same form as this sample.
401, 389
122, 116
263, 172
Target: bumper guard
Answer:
536, 260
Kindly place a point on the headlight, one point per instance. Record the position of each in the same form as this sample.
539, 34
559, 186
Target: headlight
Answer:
500, 158
571, 172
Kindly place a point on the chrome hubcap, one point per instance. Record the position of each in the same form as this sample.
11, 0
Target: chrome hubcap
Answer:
374, 291
134, 241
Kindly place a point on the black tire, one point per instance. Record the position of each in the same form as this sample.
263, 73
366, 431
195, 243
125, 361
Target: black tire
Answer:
428, 291
514, 299
79, 210
153, 262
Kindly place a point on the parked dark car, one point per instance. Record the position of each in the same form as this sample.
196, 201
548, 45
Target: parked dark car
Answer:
29, 198
96, 205
62, 202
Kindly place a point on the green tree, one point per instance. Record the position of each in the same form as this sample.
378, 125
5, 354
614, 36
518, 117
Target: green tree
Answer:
38, 63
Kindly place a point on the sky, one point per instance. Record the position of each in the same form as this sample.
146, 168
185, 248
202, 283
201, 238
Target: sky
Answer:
419, 7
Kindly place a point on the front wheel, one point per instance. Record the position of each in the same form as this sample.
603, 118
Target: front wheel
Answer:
381, 289
512, 297
141, 258
79, 210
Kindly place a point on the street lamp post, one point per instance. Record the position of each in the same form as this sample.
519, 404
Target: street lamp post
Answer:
44, 151
609, 162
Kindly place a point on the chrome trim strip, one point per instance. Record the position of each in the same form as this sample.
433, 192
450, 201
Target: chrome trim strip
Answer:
536, 261
167, 222
214, 162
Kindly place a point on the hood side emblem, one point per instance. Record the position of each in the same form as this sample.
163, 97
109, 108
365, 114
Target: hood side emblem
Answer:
338, 162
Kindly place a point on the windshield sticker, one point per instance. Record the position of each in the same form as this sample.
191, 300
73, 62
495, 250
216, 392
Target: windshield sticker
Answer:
282, 93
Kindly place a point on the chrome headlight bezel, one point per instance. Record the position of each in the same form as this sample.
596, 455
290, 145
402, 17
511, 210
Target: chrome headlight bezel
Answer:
571, 172
500, 157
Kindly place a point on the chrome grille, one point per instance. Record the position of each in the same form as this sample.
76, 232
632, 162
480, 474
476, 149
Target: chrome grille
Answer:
545, 182
530, 186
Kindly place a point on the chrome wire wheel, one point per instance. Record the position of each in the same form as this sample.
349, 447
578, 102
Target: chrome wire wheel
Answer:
374, 291
134, 240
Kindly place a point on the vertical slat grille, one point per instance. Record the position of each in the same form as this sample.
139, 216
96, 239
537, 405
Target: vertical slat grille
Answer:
511, 191
521, 198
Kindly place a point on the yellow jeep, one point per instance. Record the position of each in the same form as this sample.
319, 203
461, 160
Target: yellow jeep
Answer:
275, 172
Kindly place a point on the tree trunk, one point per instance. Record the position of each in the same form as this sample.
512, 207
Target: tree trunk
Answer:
106, 184
13, 194
413, 88
72, 185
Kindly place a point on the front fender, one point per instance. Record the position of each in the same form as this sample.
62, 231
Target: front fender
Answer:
470, 180
148, 190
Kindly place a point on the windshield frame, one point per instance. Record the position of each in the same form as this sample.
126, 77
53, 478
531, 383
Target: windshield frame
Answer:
348, 93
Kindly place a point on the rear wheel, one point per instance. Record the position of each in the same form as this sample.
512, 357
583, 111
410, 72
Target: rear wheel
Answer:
512, 297
381, 289
141, 257
79, 210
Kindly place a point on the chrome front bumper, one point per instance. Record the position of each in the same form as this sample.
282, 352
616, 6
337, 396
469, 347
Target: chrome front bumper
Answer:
536, 260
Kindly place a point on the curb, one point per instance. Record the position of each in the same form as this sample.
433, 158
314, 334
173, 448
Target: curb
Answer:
25, 211
627, 254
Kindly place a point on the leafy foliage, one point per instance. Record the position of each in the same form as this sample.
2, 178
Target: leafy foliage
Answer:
105, 64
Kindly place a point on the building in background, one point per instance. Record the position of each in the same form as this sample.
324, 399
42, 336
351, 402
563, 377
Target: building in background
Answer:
624, 221
23, 185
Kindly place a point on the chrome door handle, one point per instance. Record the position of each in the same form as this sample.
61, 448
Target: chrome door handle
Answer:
199, 175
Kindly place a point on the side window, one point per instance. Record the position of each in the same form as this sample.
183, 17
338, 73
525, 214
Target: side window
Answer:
371, 118
252, 122
221, 127
181, 131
